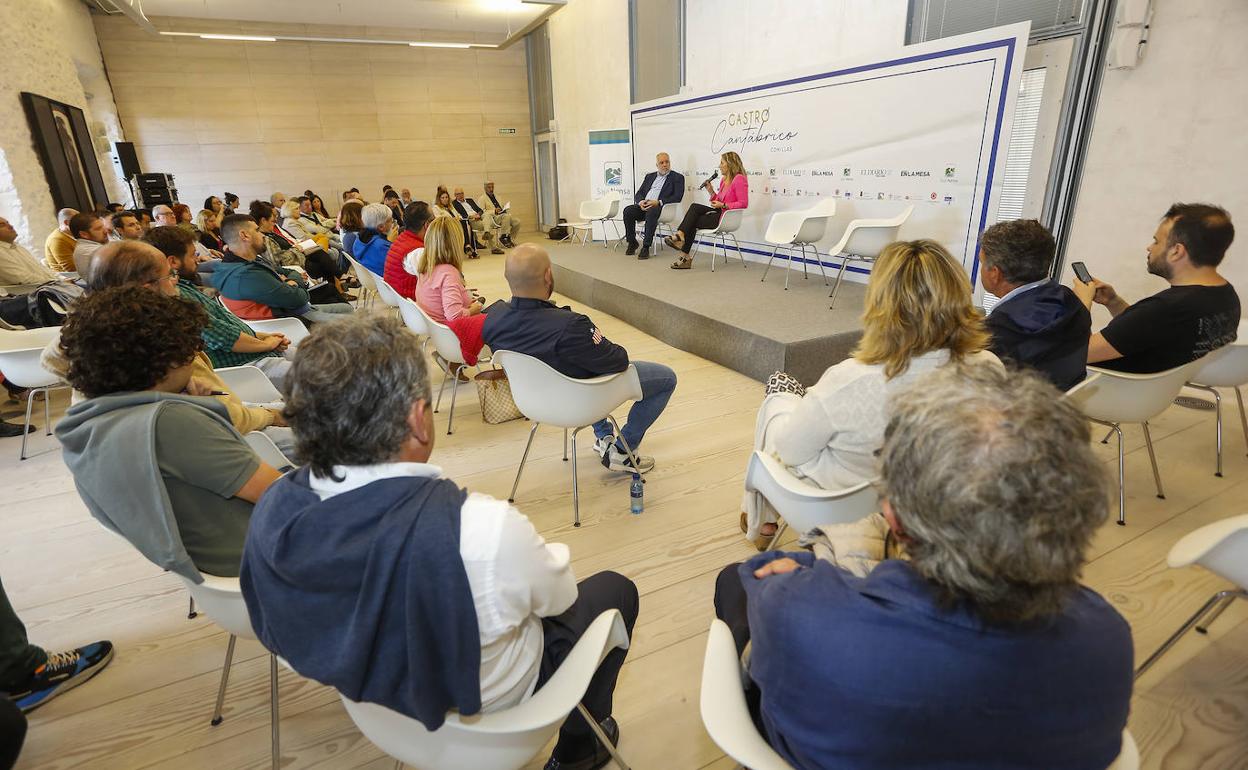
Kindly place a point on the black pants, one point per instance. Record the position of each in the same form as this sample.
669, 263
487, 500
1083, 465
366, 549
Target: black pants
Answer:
595, 595
730, 607
698, 217
634, 213
12, 732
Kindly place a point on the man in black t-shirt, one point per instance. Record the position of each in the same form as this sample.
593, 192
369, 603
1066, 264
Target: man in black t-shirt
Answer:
1198, 314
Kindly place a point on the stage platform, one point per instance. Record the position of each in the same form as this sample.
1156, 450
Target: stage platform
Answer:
728, 316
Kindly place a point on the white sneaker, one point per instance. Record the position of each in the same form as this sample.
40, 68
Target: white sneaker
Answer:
615, 460
600, 445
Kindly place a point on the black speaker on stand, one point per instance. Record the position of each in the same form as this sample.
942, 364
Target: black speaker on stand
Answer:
127, 161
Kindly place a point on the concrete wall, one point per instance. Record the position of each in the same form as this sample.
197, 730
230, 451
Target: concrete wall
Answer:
1170, 130
255, 117
51, 51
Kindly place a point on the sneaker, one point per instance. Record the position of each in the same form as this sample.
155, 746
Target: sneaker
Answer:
631, 250
496, 250
615, 460
9, 430
592, 761
508, 242
63, 671
601, 444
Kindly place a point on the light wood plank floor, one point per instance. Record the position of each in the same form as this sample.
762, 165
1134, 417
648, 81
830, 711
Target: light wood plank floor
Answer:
73, 582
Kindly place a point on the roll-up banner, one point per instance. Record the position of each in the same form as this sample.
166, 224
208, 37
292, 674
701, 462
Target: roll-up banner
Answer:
610, 173
925, 125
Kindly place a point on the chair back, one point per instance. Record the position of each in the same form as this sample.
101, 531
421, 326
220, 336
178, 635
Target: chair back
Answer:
613, 208
249, 384
546, 396
1226, 367
368, 279
813, 228
444, 340
803, 505
1220, 547
20, 352
596, 209
499, 740
222, 599
826, 207
386, 292
784, 226
1118, 397
412, 317
266, 450
293, 328
724, 711
730, 220
669, 214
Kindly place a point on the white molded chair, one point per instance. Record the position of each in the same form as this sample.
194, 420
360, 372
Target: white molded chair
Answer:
863, 240
669, 215
446, 344
293, 328
1225, 368
499, 740
266, 450
1221, 548
385, 292
726, 715
1111, 398
802, 229
222, 599
729, 223
20, 352
249, 384
412, 317
545, 396
368, 281
803, 505
599, 210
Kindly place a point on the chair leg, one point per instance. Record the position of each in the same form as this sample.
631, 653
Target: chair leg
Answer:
601, 736
769, 261
273, 712
805, 264
1122, 470
775, 539
840, 275
225, 678
788, 266
628, 450
576, 497
1217, 408
1107, 435
30, 403
438, 404
737, 245
190, 612
454, 393
1243, 418
565, 445
1148, 442
523, 458
1191, 622
47, 412
819, 260
1203, 627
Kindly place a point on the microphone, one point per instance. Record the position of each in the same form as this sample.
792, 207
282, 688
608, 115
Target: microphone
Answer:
712, 179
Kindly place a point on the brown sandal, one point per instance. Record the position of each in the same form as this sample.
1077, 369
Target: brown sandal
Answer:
675, 244
683, 263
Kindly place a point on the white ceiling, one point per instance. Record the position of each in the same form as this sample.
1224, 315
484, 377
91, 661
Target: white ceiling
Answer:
500, 17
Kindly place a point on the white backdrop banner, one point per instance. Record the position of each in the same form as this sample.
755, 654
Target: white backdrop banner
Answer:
610, 171
926, 125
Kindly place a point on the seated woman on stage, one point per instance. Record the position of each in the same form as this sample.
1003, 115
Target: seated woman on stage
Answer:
440, 290
734, 193
918, 317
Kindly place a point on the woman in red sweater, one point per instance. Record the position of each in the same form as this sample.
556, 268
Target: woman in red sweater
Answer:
416, 218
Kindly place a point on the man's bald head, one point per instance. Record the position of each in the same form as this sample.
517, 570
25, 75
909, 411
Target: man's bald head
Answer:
528, 272
126, 263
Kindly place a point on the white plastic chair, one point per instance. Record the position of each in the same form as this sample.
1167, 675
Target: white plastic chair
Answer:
545, 396
368, 281
802, 229
803, 505
1226, 367
446, 344
863, 240
729, 222
249, 384
726, 715
499, 740
20, 352
669, 215
600, 210
1221, 548
1111, 398
222, 599
266, 450
293, 328
386, 292
412, 317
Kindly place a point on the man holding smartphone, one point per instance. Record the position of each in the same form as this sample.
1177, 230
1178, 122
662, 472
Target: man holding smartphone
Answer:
1196, 315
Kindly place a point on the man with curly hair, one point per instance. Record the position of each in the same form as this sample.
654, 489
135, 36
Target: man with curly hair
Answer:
164, 469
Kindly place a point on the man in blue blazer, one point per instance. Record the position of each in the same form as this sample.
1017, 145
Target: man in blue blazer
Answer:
660, 188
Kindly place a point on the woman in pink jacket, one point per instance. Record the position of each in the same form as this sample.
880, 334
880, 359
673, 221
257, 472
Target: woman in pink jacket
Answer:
440, 289
734, 193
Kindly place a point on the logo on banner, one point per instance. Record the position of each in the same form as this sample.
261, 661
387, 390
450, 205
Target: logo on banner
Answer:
739, 129
878, 173
613, 173
948, 199
822, 172
916, 173
950, 172
845, 172
933, 196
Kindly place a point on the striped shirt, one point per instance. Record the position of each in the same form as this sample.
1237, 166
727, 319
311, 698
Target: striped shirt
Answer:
223, 330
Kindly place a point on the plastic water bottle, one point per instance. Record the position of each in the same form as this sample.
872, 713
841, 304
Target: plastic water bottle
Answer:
635, 491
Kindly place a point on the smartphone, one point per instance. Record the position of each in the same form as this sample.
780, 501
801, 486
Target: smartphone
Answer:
1081, 272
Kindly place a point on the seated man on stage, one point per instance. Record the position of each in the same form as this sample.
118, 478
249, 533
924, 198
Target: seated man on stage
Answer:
660, 188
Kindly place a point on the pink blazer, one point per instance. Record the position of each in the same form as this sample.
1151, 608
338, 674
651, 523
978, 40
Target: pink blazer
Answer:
737, 196
442, 294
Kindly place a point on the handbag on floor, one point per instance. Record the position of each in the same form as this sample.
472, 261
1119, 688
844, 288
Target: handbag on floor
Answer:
494, 392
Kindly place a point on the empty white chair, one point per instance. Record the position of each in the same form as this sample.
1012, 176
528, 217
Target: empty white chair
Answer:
802, 229
446, 344
266, 450
729, 223
600, 210
724, 711
500, 740
1226, 367
222, 599
20, 352
1221, 548
863, 240
669, 215
545, 396
1112, 398
249, 384
368, 281
803, 505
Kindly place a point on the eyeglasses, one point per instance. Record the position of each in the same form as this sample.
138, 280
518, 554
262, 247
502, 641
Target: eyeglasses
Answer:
172, 276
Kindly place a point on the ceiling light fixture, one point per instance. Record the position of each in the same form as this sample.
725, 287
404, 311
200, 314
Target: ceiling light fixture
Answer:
442, 45
306, 39
252, 38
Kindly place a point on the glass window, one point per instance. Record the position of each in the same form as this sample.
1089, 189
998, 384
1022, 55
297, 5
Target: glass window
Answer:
656, 47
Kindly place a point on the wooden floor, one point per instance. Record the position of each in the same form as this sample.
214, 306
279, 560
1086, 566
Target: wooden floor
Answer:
72, 582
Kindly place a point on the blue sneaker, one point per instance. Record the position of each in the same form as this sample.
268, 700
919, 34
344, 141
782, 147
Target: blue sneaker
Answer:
63, 671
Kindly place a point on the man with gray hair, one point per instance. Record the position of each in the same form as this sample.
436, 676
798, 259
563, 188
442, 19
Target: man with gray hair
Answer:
372, 244
369, 571
58, 249
504, 220
979, 650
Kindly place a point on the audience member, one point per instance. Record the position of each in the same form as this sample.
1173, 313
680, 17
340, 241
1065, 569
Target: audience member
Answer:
318, 212
278, 200
733, 193
981, 650
58, 249
440, 289
507, 222
182, 214
195, 519
570, 343
231, 204
662, 187
106, 218
284, 250
404, 252
89, 229
1038, 323
1198, 314
312, 224
442, 208
213, 203
114, 208
164, 215
478, 221
405, 198
917, 317
18, 267
227, 340
298, 229
208, 225
391, 199
145, 219
126, 226
419, 564
350, 224
371, 245
255, 290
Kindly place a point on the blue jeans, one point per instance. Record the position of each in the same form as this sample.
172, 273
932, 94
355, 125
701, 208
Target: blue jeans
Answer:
657, 383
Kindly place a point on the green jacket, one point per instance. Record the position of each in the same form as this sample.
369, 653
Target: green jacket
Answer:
239, 279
